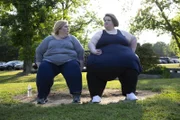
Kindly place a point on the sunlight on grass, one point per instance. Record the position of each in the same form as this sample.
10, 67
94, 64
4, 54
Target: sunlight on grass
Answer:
15, 77
5, 73
170, 65
163, 106
158, 85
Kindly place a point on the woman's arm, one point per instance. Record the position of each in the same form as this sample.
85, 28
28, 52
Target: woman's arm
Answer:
41, 49
92, 43
131, 39
78, 48
80, 51
133, 43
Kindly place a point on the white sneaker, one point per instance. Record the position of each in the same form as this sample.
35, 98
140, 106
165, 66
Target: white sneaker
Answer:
131, 96
96, 99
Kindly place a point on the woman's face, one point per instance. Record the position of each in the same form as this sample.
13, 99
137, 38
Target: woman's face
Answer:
64, 29
108, 22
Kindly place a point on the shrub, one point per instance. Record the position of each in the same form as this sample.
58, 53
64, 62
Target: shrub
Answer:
147, 56
158, 70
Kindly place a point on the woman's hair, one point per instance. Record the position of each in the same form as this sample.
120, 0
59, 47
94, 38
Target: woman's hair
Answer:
113, 18
58, 25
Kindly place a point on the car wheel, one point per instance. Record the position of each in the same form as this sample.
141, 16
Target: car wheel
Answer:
10, 68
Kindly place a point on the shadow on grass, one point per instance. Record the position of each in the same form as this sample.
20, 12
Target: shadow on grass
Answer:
164, 106
21, 77
16, 78
155, 108
119, 111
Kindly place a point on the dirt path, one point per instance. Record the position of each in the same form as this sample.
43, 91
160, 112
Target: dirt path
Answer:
63, 97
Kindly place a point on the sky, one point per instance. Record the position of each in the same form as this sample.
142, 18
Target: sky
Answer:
116, 7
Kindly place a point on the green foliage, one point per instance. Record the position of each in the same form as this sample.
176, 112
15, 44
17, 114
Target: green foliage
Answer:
161, 70
147, 56
159, 48
23, 19
8, 50
83, 25
162, 49
155, 15
173, 45
30, 21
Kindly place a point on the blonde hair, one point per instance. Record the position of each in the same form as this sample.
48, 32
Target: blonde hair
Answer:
113, 18
58, 25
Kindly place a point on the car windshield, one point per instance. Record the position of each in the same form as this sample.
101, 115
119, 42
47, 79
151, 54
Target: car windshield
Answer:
20, 63
2, 63
10, 62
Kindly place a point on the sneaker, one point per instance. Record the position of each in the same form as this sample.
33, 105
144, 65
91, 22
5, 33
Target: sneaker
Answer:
96, 99
76, 99
131, 96
42, 100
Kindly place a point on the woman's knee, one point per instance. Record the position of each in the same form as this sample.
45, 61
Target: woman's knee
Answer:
45, 71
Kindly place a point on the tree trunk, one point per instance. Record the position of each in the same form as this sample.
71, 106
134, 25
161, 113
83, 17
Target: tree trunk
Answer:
27, 56
27, 67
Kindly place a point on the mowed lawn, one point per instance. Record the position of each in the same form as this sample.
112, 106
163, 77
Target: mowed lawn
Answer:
163, 106
176, 65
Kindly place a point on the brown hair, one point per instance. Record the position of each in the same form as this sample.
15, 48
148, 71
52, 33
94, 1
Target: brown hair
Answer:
58, 25
113, 18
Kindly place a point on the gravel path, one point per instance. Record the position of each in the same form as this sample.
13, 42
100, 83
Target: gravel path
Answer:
63, 97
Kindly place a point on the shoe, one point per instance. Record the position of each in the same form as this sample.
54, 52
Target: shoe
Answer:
96, 99
76, 98
42, 100
131, 96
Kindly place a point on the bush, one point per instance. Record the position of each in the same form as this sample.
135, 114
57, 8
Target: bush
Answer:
147, 56
161, 70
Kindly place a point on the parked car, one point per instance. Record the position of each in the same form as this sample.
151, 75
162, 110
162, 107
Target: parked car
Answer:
162, 61
10, 65
176, 60
19, 66
167, 59
2, 65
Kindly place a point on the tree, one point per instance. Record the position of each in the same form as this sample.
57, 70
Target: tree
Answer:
174, 48
147, 56
173, 45
155, 15
159, 48
31, 20
84, 24
162, 49
24, 18
8, 51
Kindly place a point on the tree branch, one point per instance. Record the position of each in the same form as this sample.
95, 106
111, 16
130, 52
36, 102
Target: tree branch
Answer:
168, 23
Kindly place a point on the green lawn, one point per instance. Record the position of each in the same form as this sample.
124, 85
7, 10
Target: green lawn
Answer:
171, 65
164, 106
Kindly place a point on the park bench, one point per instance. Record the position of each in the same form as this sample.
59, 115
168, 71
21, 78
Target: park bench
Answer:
86, 54
174, 70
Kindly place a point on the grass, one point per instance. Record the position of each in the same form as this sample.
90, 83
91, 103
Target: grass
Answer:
171, 65
164, 106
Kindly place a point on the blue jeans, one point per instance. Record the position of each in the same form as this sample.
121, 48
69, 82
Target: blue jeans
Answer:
47, 71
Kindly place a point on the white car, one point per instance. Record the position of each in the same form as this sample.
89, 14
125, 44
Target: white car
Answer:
19, 66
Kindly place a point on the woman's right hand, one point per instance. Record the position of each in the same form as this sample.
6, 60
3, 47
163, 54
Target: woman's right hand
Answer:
97, 52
